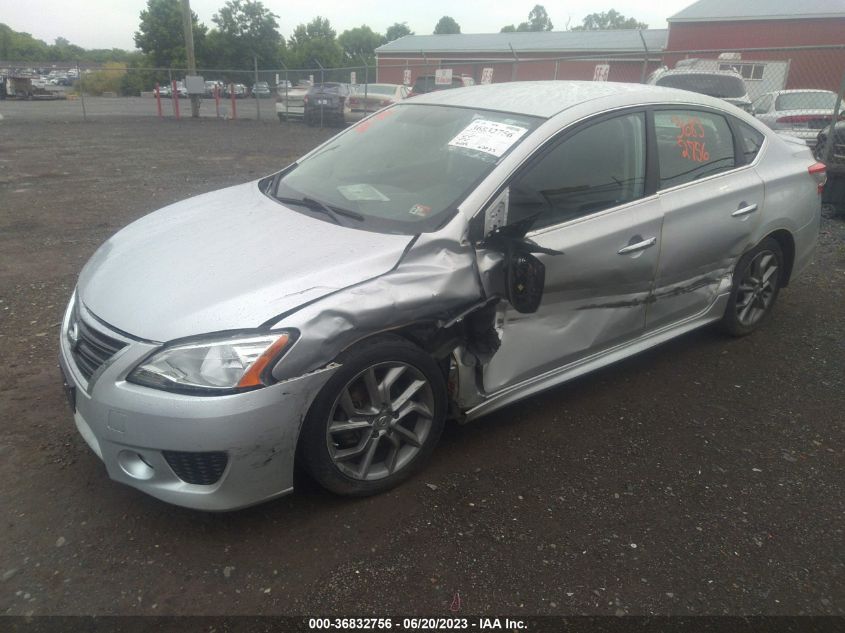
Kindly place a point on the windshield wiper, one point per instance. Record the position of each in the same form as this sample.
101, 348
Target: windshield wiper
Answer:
315, 205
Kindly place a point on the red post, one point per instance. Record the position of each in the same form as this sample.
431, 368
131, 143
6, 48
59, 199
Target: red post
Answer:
175, 95
158, 101
217, 99
234, 107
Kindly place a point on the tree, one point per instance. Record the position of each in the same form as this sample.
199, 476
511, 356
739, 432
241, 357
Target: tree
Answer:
447, 25
314, 42
245, 28
538, 20
160, 34
397, 30
360, 41
609, 20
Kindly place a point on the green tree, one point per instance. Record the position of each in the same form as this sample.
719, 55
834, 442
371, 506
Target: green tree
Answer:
609, 20
15, 46
397, 30
161, 37
314, 42
538, 20
360, 41
63, 51
447, 25
245, 28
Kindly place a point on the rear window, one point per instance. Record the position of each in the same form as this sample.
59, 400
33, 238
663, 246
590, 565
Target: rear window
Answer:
376, 89
722, 86
752, 141
806, 101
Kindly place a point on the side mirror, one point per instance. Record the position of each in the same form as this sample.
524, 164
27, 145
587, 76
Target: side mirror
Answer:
526, 278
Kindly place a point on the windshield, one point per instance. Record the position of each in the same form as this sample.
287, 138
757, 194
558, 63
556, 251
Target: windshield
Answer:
405, 169
722, 86
806, 101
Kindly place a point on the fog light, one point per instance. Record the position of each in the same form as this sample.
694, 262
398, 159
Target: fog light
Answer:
134, 465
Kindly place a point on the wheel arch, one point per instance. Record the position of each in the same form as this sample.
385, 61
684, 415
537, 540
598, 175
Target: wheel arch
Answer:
787, 246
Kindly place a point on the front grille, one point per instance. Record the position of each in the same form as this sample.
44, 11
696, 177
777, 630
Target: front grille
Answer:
197, 468
90, 347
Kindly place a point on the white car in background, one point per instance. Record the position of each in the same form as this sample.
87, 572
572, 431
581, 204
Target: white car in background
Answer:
367, 98
798, 113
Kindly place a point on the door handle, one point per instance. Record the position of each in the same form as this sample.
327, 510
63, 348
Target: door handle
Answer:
744, 209
639, 246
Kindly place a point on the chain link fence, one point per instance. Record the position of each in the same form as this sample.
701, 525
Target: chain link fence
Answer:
796, 91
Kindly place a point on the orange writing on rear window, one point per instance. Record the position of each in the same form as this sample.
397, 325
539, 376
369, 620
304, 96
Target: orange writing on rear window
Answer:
691, 129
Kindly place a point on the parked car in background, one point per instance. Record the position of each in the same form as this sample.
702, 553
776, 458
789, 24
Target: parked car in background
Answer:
798, 113
368, 98
164, 90
290, 102
727, 85
327, 104
239, 91
210, 87
181, 90
261, 90
834, 159
468, 250
426, 83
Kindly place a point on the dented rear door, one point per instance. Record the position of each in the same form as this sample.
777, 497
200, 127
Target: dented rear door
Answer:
711, 206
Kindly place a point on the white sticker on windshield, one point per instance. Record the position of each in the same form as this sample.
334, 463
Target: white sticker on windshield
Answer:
489, 137
362, 192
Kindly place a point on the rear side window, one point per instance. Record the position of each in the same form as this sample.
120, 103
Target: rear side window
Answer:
750, 140
600, 167
692, 145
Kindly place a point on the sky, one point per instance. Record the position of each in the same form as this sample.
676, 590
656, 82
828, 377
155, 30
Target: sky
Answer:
112, 23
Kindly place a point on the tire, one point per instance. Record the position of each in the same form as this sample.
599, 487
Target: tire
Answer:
281, 118
756, 284
354, 442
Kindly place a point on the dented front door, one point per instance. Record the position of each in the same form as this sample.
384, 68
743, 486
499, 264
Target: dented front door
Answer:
595, 294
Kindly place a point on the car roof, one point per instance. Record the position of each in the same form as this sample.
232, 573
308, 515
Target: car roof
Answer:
548, 98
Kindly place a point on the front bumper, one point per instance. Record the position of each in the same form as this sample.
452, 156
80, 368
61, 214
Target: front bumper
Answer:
129, 426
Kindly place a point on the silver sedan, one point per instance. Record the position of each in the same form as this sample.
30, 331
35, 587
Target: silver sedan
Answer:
798, 113
443, 258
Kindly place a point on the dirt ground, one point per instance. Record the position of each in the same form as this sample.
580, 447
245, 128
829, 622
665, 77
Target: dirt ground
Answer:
703, 477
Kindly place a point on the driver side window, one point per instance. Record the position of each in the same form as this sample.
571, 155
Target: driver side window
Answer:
600, 167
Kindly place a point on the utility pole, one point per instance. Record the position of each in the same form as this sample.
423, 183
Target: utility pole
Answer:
187, 25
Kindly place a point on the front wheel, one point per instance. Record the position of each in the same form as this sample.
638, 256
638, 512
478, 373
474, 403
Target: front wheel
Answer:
756, 284
377, 419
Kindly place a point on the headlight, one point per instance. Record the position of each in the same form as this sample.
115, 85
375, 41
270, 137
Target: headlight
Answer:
213, 367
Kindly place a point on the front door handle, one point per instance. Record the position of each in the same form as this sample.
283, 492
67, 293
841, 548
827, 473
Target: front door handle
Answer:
744, 209
639, 246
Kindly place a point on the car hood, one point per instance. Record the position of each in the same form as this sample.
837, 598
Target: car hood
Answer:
229, 259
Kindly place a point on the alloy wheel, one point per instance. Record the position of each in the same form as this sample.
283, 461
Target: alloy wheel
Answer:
380, 421
757, 288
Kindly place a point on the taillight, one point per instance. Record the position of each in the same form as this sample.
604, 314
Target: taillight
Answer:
819, 172
305, 99
804, 118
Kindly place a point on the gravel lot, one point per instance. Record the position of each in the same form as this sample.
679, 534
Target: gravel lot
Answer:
703, 477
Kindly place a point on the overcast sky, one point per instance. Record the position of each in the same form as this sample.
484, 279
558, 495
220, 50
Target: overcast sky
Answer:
111, 23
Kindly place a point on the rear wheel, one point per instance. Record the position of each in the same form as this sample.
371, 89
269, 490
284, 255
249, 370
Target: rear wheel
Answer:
377, 420
756, 284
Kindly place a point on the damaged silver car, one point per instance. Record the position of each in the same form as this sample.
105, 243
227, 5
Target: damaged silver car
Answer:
444, 257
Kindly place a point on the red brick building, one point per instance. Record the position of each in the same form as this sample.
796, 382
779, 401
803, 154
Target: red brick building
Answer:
810, 35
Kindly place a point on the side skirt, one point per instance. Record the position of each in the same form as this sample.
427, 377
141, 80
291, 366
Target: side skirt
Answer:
583, 366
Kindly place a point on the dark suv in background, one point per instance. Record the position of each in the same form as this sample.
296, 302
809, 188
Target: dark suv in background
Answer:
326, 103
